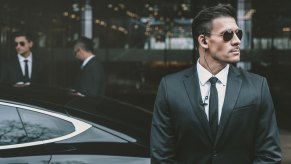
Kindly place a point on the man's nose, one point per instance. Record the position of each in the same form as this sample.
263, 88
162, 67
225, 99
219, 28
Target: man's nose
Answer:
235, 40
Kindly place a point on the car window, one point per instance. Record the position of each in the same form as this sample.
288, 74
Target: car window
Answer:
11, 128
39, 126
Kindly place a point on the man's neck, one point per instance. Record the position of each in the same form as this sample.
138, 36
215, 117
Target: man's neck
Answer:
26, 55
213, 67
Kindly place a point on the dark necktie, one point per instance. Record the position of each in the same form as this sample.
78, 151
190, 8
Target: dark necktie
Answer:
26, 76
213, 106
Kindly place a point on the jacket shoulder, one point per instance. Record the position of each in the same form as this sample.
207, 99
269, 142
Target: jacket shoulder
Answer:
177, 79
181, 74
249, 76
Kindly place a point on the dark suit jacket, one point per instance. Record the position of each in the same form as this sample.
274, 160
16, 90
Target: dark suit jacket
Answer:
90, 80
11, 71
247, 131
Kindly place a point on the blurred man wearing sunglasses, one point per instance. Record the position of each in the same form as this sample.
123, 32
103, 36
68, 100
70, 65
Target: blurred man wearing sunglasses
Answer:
24, 68
90, 80
214, 112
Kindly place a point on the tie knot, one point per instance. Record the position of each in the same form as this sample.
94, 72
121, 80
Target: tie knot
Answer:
213, 80
25, 61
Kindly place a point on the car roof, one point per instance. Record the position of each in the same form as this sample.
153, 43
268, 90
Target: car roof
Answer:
117, 115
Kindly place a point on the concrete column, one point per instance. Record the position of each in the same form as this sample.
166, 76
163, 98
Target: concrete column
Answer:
244, 13
87, 20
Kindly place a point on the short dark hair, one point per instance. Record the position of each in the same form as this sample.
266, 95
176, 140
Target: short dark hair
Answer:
28, 35
202, 23
85, 43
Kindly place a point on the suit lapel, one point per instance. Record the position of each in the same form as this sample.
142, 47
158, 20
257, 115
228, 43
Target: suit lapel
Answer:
18, 70
233, 87
192, 87
34, 66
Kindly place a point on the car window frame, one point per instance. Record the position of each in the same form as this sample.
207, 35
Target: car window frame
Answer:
79, 126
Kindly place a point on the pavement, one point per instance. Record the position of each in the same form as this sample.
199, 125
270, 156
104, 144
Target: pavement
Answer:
286, 145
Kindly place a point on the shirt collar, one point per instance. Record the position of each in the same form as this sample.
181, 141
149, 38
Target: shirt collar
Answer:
204, 75
21, 58
87, 60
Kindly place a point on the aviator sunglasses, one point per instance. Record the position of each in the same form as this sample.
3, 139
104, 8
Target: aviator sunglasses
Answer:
20, 43
228, 34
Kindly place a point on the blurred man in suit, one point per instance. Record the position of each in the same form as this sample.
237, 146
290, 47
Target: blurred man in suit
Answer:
213, 112
90, 80
24, 68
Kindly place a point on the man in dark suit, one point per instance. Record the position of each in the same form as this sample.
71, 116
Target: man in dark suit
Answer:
90, 80
25, 68
214, 112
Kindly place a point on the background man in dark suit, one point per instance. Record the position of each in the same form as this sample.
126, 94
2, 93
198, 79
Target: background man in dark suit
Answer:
90, 80
214, 112
25, 68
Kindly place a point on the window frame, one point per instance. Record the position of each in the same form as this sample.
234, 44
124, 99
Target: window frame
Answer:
79, 126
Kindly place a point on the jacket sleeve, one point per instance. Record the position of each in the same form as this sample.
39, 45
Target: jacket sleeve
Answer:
267, 143
162, 134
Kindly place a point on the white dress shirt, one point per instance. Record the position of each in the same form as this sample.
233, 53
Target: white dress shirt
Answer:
204, 75
22, 64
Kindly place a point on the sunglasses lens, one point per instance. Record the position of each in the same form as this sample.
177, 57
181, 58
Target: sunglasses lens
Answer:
239, 34
227, 35
20, 43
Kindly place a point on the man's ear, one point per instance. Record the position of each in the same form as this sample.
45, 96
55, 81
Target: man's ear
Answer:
203, 41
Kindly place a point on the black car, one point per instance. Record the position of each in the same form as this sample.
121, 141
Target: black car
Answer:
41, 125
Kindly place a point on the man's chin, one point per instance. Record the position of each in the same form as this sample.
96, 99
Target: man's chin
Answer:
235, 60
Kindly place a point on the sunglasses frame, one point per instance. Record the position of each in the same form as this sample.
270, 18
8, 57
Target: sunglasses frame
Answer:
21, 43
228, 34
76, 51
